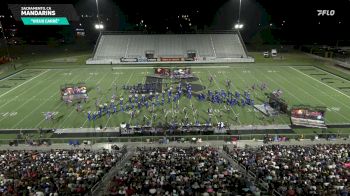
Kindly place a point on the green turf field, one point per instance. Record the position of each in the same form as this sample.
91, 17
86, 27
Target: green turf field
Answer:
26, 95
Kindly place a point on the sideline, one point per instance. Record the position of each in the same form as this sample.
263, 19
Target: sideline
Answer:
25, 82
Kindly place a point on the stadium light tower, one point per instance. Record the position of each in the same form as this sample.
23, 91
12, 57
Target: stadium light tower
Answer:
99, 25
239, 25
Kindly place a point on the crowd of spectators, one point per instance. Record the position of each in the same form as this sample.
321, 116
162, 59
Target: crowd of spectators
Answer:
55, 172
322, 169
179, 171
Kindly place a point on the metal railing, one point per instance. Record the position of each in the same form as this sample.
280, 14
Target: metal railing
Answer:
103, 179
151, 139
276, 193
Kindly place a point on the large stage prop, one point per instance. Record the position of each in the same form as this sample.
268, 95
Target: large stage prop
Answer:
308, 116
276, 101
177, 73
74, 92
274, 105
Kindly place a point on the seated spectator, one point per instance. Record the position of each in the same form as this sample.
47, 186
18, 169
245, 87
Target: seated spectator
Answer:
299, 170
55, 172
179, 171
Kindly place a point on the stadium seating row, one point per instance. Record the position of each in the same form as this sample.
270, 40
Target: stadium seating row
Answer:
135, 46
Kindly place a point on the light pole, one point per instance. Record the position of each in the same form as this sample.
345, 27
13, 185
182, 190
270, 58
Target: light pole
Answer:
239, 25
98, 11
99, 25
239, 10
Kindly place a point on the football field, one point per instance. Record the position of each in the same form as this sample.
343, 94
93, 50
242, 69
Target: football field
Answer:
28, 94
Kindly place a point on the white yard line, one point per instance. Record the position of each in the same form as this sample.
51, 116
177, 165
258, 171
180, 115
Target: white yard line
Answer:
223, 73
38, 106
172, 102
20, 106
320, 101
320, 82
268, 88
33, 110
144, 81
19, 95
336, 100
26, 116
25, 82
209, 101
59, 105
344, 117
120, 95
194, 116
74, 109
232, 107
219, 89
87, 119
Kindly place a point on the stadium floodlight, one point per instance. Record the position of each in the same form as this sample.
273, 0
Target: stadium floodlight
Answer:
99, 26
239, 26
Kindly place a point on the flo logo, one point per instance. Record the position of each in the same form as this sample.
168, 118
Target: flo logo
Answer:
325, 12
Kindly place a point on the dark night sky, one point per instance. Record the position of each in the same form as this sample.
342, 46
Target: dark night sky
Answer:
300, 16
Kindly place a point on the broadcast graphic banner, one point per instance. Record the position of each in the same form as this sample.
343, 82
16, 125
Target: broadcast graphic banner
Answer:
45, 21
44, 14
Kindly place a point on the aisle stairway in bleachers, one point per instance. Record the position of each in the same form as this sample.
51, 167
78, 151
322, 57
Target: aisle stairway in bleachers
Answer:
212, 46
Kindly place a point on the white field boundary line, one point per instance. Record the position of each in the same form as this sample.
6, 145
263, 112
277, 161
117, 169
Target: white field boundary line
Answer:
337, 112
30, 99
7, 77
51, 60
341, 103
332, 74
25, 117
320, 82
61, 125
19, 95
314, 97
59, 105
25, 82
37, 107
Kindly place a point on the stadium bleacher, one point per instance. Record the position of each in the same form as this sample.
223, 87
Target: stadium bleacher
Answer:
211, 47
179, 171
321, 169
54, 172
